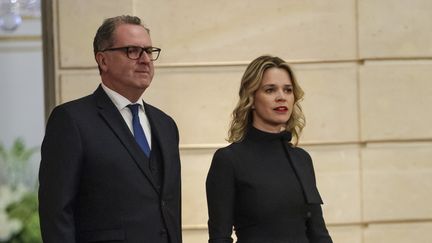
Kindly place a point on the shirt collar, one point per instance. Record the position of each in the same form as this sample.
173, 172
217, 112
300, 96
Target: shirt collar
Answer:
119, 100
256, 134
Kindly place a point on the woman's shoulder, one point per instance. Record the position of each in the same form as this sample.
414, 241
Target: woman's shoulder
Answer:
232, 153
226, 151
232, 149
301, 152
299, 149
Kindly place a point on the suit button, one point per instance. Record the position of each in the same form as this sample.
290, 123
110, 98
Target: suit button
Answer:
163, 203
309, 214
163, 232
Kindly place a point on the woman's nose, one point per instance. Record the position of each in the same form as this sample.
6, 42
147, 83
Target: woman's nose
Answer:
280, 96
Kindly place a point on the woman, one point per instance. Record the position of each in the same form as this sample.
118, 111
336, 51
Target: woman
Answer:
262, 184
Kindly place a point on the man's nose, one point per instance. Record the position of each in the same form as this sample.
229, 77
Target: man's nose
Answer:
144, 57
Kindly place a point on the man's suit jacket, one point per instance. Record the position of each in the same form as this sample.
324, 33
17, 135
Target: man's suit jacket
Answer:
95, 182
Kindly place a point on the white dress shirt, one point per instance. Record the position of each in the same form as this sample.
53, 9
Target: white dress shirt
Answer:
121, 103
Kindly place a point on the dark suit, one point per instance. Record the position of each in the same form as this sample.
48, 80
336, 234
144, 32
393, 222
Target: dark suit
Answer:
96, 184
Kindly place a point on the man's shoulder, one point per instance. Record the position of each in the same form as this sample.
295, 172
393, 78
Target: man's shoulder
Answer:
98, 97
154, 111
78, 104
76, 108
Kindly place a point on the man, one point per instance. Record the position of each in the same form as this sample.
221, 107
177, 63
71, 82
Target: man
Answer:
110, 169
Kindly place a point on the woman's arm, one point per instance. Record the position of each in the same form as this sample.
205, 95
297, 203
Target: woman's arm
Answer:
316, 228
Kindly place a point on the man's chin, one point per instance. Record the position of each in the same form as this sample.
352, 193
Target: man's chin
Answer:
143, 86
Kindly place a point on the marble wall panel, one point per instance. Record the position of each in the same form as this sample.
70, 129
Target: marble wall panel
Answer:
195, 235
219, 31
346, 234
395, 28
78, 22
330, 103
397, 181
200, 99
399, 233
395, 100
195, 165
337, 170
74, 86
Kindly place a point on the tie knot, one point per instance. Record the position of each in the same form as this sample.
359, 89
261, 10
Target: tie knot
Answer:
134, 108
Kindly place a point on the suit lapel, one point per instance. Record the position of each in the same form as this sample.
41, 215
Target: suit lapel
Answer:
158, 131
115, 121
304, 171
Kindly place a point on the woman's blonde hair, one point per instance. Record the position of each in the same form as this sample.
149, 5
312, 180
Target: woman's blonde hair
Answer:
250, 82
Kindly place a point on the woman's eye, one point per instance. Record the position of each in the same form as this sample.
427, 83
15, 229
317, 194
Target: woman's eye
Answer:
268, 90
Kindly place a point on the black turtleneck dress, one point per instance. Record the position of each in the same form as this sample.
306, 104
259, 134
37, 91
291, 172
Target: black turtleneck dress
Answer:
266, 190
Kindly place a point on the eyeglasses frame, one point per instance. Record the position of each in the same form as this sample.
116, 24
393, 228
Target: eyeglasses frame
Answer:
143, 49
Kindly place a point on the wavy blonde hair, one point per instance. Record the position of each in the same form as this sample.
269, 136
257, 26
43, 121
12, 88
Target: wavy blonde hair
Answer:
250, 82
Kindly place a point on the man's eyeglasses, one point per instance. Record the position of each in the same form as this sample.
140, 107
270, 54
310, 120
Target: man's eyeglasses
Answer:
135, 52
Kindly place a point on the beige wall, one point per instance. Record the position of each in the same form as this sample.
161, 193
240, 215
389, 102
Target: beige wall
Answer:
365, 66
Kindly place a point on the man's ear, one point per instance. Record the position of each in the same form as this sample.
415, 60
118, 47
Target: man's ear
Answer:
101, 60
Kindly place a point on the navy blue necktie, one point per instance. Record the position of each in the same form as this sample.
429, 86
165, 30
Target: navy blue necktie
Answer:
138, 130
